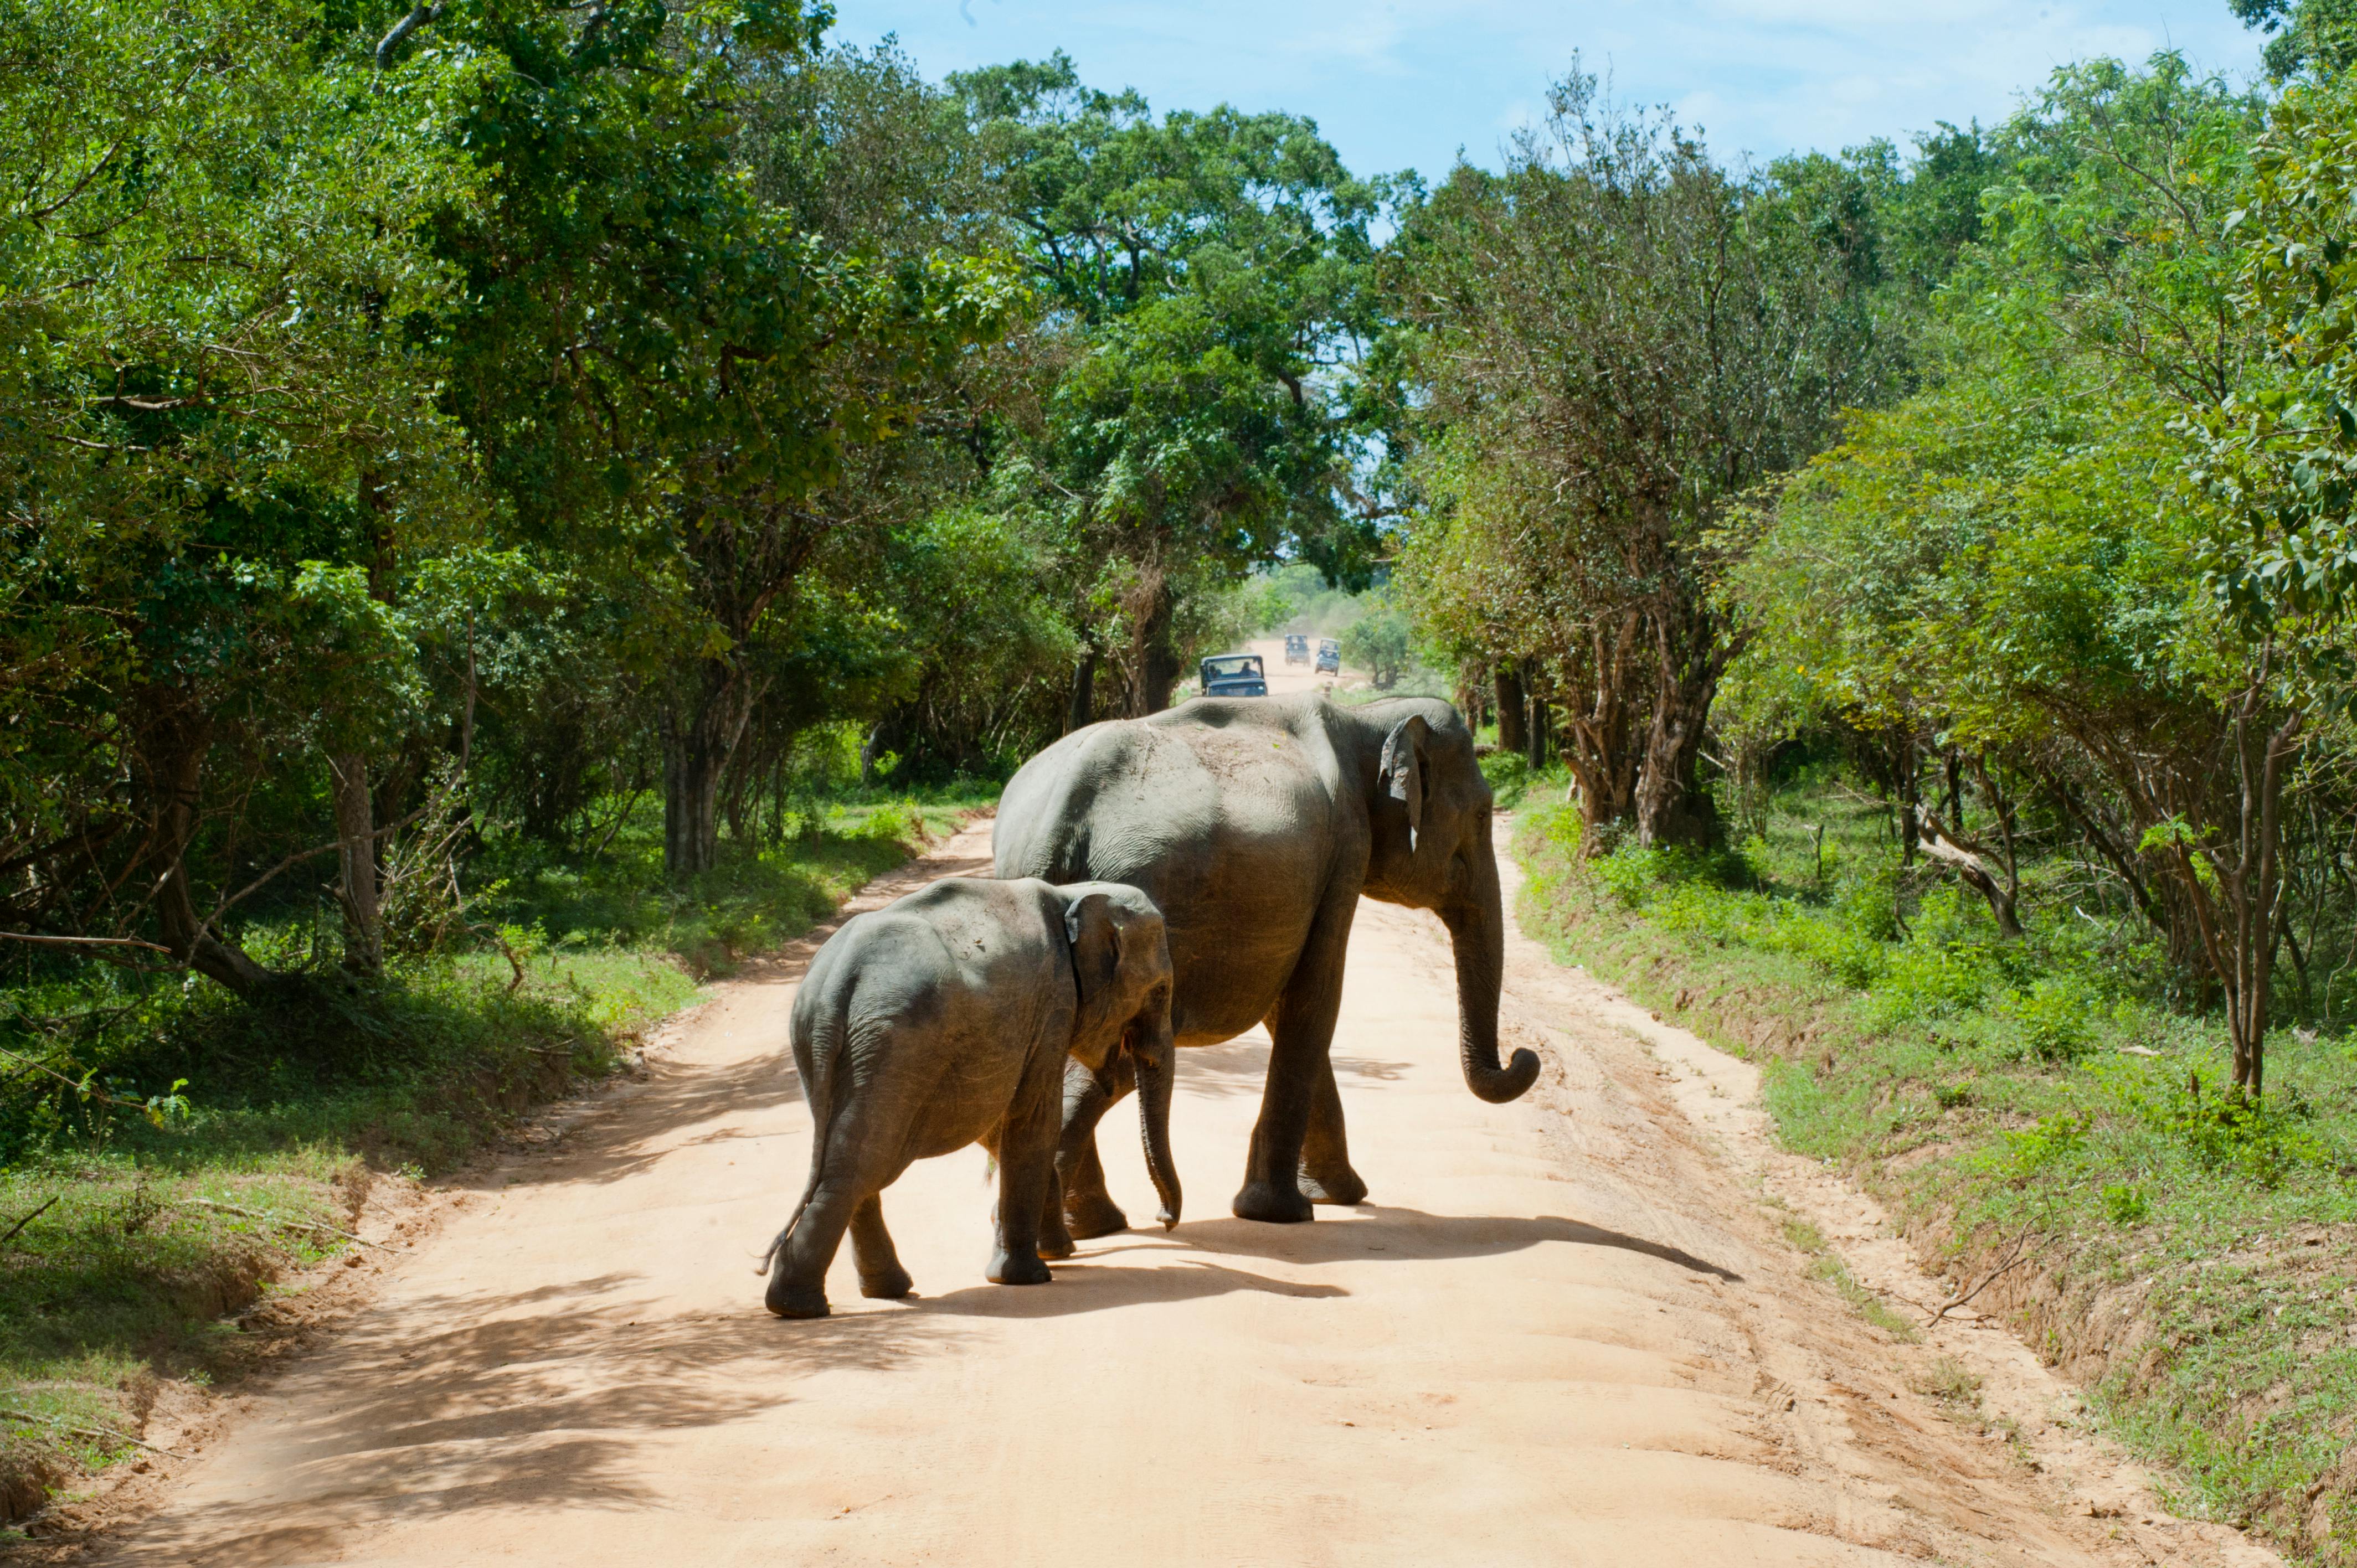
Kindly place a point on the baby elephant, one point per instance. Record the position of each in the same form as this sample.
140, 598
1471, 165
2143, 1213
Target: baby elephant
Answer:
945, 1019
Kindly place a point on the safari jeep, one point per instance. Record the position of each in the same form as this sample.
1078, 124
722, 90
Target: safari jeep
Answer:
1233, 675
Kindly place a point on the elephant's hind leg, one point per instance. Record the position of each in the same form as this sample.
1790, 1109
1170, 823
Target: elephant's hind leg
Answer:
880, 1273
798, 1273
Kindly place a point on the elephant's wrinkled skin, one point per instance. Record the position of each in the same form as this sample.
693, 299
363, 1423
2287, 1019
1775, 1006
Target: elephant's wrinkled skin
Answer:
1255, 826
945, 1019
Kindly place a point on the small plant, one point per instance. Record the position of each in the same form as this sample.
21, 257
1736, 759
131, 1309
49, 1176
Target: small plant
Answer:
1953, 1383
1628, 876
2056, 1020
2125, 1203
1805, 1236
895, 821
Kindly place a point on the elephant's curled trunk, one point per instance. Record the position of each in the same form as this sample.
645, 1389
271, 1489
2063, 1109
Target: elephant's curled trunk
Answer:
1477, 931
1153, 1053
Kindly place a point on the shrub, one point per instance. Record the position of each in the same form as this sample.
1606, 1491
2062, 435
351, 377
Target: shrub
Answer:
2055, 1019
895, 821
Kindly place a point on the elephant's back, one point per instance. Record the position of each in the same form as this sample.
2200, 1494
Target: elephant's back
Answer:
1105, 803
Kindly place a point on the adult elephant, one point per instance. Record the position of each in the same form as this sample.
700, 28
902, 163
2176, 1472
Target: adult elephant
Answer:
1255, 825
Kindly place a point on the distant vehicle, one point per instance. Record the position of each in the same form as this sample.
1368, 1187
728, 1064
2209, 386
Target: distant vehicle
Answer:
1233, 675
1297, 647
1330, 656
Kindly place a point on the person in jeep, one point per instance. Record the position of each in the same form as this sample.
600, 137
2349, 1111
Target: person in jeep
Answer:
1233, 675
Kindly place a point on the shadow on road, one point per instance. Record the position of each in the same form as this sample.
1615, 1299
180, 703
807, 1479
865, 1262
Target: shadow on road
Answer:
1082, 1284
1383, 1233
539, 1397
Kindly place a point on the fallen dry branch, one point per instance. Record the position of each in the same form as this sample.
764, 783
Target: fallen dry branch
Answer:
282, 1219
103, 1434
2017, 1252
11, 1236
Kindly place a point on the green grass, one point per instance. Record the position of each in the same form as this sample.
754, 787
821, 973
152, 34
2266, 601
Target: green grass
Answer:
1826, 1264
747, 904
2192, 1259
271, 1118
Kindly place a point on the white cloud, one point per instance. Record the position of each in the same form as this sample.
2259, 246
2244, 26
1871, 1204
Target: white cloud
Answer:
1395, 83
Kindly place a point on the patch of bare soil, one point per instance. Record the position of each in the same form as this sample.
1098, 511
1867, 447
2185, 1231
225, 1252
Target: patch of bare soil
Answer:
1569, 1330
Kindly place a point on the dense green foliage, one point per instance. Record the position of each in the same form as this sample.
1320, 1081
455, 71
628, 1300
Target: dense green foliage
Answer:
2184, 1251
2032, 506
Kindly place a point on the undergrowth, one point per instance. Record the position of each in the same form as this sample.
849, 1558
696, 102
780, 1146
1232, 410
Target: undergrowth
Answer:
174, 1151
2190, 1256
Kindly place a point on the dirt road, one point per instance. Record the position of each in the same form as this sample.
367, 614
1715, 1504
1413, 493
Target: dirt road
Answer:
1284, 678
1562, 1331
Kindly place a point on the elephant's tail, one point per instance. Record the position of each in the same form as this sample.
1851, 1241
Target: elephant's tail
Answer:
825, 1043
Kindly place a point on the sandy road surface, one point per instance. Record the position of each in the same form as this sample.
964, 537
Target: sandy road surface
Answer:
1561, 1332
1284, 678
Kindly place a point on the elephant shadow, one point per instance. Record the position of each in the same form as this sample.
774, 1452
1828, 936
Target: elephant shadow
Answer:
1082, 1284
1383, 1233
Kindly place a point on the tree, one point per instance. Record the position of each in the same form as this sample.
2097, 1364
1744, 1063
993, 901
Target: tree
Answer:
2315, 37
1209, 273
1620, 338
2009, 567
660, 365
1378, 643
223, 439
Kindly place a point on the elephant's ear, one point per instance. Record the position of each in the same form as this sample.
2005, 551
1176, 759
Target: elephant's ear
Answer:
1402, 773
1096, 944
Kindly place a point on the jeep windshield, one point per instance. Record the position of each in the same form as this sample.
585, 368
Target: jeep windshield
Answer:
1242, 665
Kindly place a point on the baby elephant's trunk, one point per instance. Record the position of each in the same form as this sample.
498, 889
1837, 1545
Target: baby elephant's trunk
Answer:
1154, 1051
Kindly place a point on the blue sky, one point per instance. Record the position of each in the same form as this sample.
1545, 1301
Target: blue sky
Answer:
1406, 84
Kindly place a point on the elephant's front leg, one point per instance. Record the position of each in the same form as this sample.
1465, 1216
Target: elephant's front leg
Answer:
1326, 1175
1301, 1030
1027, 1170
1089, 1209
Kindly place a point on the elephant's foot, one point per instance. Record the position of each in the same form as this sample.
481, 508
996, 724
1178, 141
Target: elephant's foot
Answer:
889, 1286
1091, 1214
788, 1301
1271, 1204
1017, 1269
1340, 1185
1055, 1246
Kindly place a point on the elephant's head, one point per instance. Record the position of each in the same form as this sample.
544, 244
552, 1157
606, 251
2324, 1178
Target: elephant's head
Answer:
1120, 963
1430, 815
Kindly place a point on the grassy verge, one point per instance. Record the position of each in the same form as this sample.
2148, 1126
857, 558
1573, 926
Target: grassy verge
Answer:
175, 1154
2036, 1112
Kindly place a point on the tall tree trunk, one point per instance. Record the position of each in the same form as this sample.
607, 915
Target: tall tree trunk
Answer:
356, 857
1157, 668
169, 772
1689, 654
1536, 730
1598, 676
1511, 709
700, 733
1082, 710
1671, 806
356, 885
